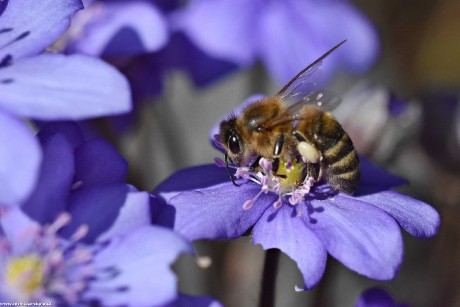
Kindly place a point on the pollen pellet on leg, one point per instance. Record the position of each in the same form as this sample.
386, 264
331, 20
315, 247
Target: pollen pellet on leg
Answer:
308, 152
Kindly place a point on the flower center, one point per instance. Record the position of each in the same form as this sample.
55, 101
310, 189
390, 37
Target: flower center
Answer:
289, 182
50, 267
25, 274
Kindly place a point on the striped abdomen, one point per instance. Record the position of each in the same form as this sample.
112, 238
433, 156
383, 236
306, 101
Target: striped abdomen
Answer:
340, 159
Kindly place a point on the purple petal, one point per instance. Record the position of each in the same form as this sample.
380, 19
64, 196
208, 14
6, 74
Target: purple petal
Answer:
134, 214
206, 24
28, 27
97, 207
50, 195
375, 179
195, 301
52, 86
142, 255
20, 158
280, 228
313, 28
296, 50
68, 130
97, 162
202, 68
416, 217
220, 205
375, 297
192, 178
362, 237
121, 28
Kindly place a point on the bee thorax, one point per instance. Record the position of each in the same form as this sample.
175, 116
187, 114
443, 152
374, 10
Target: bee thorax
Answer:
308, 152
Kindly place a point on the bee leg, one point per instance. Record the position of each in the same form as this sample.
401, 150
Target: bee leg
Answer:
313, 170
255, 165
277, 152
229, 172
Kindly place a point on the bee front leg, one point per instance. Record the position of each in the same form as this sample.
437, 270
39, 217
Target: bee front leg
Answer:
255, 165
277, 152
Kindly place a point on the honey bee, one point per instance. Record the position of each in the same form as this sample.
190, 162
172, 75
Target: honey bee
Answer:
295, 122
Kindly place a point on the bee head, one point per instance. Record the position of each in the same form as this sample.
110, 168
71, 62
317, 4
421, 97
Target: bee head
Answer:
231, 140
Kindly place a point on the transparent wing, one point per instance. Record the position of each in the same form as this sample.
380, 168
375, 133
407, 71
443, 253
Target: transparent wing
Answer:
301, 85
300, 92
304, 82
323, 99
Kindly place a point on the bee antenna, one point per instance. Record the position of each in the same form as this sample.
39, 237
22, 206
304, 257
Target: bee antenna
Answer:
229, 172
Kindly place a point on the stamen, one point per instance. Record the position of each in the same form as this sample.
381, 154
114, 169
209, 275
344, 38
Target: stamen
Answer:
248, 204
76, 185
219, 162
51, 268
62, 220
80, 233
285, 183
277, 204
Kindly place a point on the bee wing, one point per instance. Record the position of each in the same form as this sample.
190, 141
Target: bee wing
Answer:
300, 85
322, 99
300, 92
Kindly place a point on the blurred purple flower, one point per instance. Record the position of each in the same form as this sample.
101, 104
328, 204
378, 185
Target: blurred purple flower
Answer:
79, 177
83, 235
136, 37
44, 86
37, 264
118, 28
307, 223
284, 35
377, 297
52, 86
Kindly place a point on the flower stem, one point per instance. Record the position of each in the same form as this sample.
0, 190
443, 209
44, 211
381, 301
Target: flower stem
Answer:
267, 293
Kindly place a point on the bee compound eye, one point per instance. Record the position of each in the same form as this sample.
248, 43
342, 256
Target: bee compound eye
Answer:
234, 144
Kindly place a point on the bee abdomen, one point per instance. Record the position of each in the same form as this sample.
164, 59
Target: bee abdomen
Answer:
342, 161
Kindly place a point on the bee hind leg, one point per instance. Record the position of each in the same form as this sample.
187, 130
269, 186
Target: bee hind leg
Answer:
313, 170
255, 165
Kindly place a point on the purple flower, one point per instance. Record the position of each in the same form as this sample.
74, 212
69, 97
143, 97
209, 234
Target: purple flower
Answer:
285, 35
44, 86
118, 28
377, 297
306, 223
125, 268
52, 86
79, 177
83, 235
136, 37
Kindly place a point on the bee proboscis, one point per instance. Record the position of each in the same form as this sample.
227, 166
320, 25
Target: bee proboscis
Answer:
295, 122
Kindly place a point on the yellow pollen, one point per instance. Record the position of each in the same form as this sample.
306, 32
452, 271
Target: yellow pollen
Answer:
25, 274
289, 179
